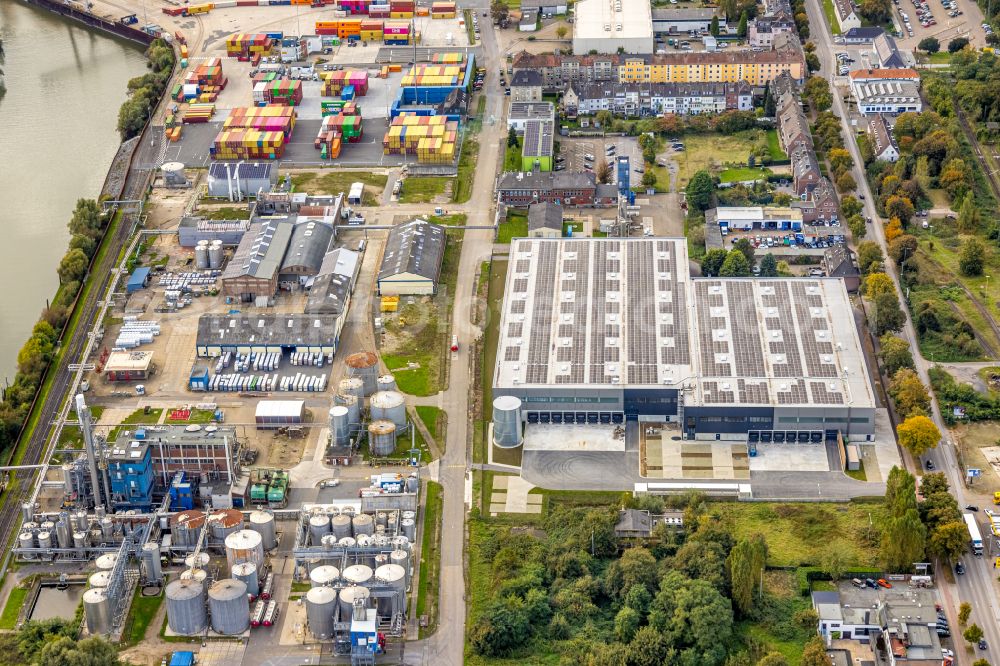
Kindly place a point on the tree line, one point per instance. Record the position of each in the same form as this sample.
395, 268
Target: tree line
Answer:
55, 643
144, 92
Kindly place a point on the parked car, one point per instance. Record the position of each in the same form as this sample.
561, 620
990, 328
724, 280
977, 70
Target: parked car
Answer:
971, 507
959, 568
882, 582
982, 644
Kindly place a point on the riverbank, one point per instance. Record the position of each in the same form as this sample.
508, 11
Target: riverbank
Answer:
115, 28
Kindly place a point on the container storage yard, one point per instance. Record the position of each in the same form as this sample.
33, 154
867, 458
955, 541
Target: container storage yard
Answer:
432, 139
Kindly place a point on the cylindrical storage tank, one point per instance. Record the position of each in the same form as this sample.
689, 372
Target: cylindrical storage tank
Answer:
262, 522
401, 558
245, 546
151, 561
80, 521
340, 427
348, 542
412, 483
215, 254
365, 366
382, 437
97, 609
340, 526
27, 512
105, 562
394, 576
382, 518
185, 526
107, 528
225, 522
324, 575
173, 174
353, 404
79, 539
348, 511
385, 383
507, 422
363, 524
68, 487
201, 255
389, 405
229, 607
197, 574
26, 540
379, 560
321, 602
354, 386
186, 607
319, 526
347, 597
357, 574
63, 534
313, 563
365, 540
199, 561
99, 579
246, 572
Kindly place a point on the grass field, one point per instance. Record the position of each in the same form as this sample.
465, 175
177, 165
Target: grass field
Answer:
226, 213
467, 162
430, 559
334, 182
452, 220
434, 420
774, 146
741, 174
516, 226
12, 609
946, 252
512, 156
971, 438
709, 151
831, 17
143, 611
423, 189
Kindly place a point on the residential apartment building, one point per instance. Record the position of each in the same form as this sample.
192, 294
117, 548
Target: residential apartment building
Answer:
882, 141
821, 204
657, 98
762, 31
565, 188
847, 14
526, 86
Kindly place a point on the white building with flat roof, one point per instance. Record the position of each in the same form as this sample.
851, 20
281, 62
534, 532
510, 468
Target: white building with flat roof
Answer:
604, 26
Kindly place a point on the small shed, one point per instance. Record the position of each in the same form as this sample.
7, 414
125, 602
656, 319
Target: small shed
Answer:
545, 220
276, 413
355, 195
138, 280
127, 366
185, 658
198, 381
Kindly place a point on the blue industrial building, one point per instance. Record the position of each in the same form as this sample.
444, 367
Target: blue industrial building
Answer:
437, 94
138, 280
181, 492
130, 468
198, 381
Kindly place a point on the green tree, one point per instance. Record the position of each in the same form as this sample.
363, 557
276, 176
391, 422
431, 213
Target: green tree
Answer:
746, 565
559, 628
603, 118
846, 182
499, 11
511, 137
712, 262
933, 484
626, 624
768, 266
814, 653
877, 283
901, 207
903, 539
73, 266
902, 248
649, 180
773, 659
649, 648
735, 265
973, 634
746, 247
562, 31
909, 393
918, 434
700, 191
812, 62
696, 617
835, 559
638, 597
982, 661
894, 352
858, 226
635, 566
964, 611
885, 314
972, 258
957, 44
869, 256
67, 651
603, 172
714, 26
850, 205
929, 45
502, 628
87, 219
969, 219
741, 28
949, 540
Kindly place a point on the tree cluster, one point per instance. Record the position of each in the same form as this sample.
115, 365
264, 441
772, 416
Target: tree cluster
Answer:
950, 394
54, 643
903, 533
947, 534
145, 91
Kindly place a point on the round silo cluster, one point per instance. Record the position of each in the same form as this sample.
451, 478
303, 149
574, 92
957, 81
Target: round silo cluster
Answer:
186, 607
401, 558
408, 525
340, 426
199, 561
353, 404
229, 607
215, 254
321, 603
224, 522
363, 525
507, 422
246, 572
99, 579
44, 539
262, 522
195, 574
365, 366
319, 526
389, 406
245, 546
105, 562
97, 609
382, 437
347, 597
353, 386
357, 574
324, 575
201, 255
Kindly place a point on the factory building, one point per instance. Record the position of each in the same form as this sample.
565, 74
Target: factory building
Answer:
266, 333
521, 112
130, 469
674, 21
606, 26
306, 248
411, 263
330, 291
128, 366
613, 330
240, 180
539, 145
193, 230
252, 273
545, 220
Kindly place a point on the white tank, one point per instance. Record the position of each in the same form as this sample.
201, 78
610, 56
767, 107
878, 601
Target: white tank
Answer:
357, 574
45, 539
245, 546
229, 607
401, 558
100, 579
97, 609
262, 522
382, 519
386, 383
340, 427
199, 561
382, 438
26, 540
196, 574
186, 607
321, 602
353, 404
215, 254
247, 572
201, 255
328, 541
80, 521
173, 174
319, 526
365, 366
507, 422
340, 526
79, 539
351, 386
347, 597
107, 561
363, 525
348, 542
324, 575
151, 561
394, 576
389, 405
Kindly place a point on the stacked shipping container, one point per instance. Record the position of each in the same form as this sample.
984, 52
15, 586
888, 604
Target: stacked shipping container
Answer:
443, 10
199, 113
282, 92
335, 82
432, 139
401, 9
270, 118
244, 46
343, 124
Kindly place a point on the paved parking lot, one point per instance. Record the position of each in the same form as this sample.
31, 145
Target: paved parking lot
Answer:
575, 149
967, 24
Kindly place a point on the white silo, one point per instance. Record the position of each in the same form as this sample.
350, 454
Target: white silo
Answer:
215, 254
26, 540
151, 561
340, 427
107, 561
319, 526
329, 541
385, 383
186, 607
245, 546
353, 404
262, 522
363, 525
173, 174
507, 422
321, 602
409, 528
340, 526
352, 386
382, 519
325, 574
394, 576
381, 437
357, 574
389, 405
247, 573
45, 539
97, 609
201, 255
401, 558
199, 561
229, 607
196, 574
347, 597
347, 542
99, 579
365, 366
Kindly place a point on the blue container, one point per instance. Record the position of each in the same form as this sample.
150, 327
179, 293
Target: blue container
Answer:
347, 93
278, 34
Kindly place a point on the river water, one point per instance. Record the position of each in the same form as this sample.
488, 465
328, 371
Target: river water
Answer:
65, 83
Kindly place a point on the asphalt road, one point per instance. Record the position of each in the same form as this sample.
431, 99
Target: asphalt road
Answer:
977, 586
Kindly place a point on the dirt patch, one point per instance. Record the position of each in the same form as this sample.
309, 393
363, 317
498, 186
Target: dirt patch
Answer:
979, 446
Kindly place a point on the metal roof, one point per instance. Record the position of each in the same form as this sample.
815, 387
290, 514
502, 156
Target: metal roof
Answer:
261, 250
267, 330
545, 215
307, 246
526, 78
329, 294
415, 247
340, 261
138, 277
243, 170
548, 180
530, 110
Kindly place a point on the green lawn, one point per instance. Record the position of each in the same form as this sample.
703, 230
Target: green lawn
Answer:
774, 146
226, 213
434, 420
467, 163
712, 152
577, 228
335, 182
512, 156
143, 611
201, 416
831, 17
423, 189
452, 220
12, 609
70, 437
140, 417
736, 175
939, 58
516, 226
430, 559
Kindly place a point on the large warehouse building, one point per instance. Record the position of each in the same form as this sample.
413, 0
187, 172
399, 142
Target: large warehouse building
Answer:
605, 26
613, 330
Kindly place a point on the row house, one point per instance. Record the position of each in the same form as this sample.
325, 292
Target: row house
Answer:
658, 98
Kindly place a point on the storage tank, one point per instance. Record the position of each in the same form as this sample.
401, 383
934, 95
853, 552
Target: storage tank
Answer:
412, 483
99, 579
385, 383
329, 541
105, 562
215, 254
262, 522
402, 558
201, 255
199, 561
347, 597
245, 546
225, 522
365, 366
354, 386
382, 438
363, 524
26, 540
340, 427
348, 542
319, 526
340, 526
409, 528
321, 602
389, 405
197, 574
97, 608
79, 540
382, 519
357, 574
151, 561
246, 572
186, 607
353, 404
80, 521
185, 526
107, 528
229, 607
173, 174
394, 576
324, 575
507, 422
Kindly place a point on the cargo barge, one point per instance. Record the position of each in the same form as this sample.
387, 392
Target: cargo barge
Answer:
76, 13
